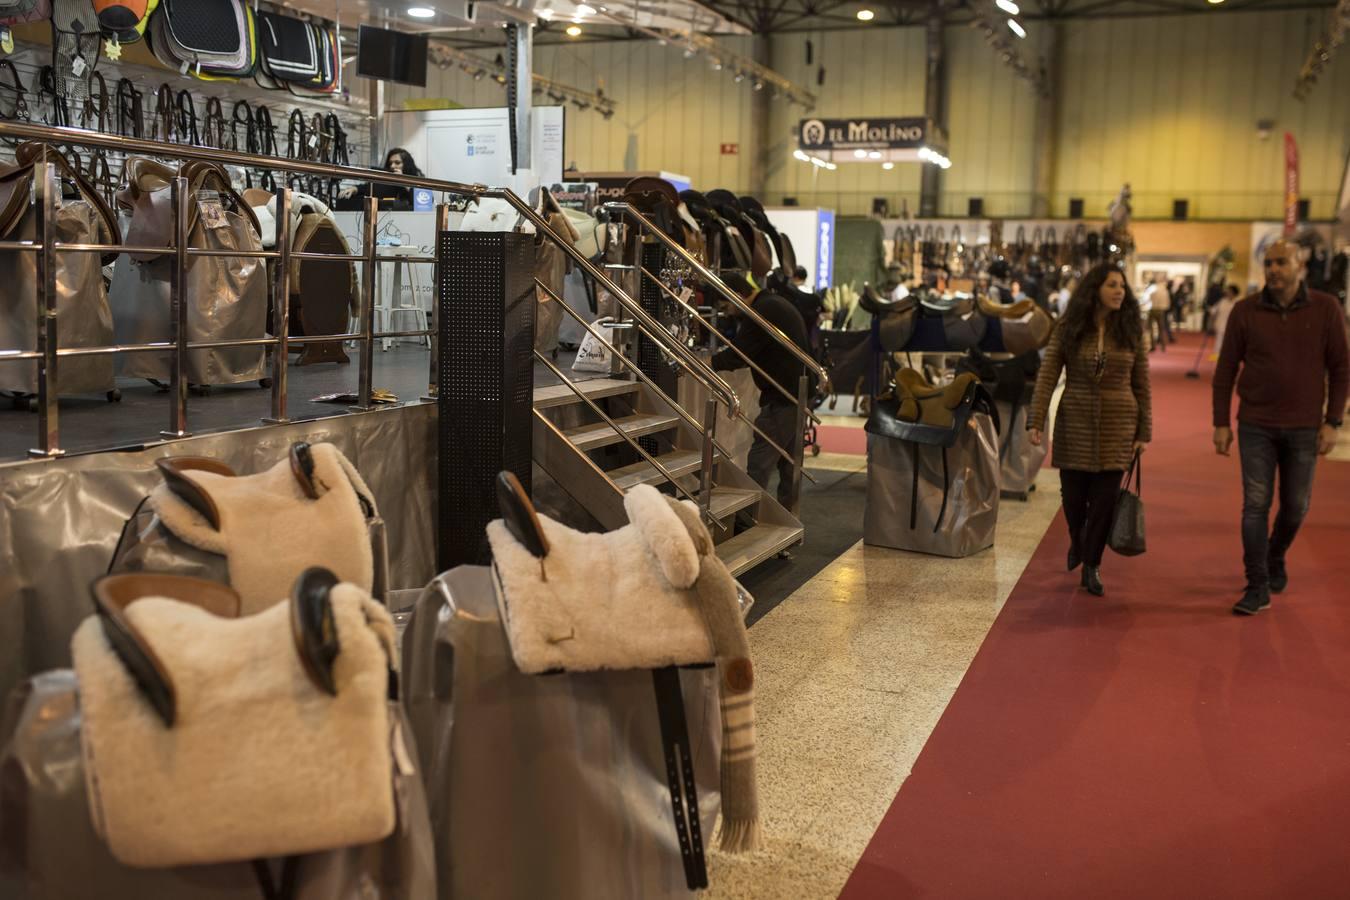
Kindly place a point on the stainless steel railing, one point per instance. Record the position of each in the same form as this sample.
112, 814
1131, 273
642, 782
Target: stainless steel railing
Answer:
48, 352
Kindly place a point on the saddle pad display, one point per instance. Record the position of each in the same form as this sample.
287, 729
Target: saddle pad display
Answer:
287, 48
207, 31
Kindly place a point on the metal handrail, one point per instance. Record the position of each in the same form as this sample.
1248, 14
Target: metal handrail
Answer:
710, 278
651, 328
634, 367
754, 366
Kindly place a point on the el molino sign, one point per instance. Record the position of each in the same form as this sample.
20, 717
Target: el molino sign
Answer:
862, 134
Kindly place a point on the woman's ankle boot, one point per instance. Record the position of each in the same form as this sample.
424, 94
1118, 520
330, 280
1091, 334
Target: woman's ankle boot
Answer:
1092, 580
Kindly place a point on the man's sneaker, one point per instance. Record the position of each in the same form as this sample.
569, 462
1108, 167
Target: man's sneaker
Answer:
1279, 578
1252, 602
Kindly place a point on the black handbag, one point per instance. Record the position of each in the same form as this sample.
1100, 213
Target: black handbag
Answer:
1127, 523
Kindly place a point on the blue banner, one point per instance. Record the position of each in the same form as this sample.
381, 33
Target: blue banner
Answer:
824, 249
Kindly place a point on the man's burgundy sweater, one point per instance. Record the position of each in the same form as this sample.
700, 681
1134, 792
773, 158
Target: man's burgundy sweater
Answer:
1294, 359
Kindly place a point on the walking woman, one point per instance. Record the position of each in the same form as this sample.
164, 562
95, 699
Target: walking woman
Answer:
1105, 416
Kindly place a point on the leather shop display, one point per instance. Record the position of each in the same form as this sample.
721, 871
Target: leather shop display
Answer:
1012, 382
226, 297
932, 467
519, 673
324, 294
208, 752
82, 306
258, 533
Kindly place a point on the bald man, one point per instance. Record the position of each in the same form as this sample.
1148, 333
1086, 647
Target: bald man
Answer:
1290, 345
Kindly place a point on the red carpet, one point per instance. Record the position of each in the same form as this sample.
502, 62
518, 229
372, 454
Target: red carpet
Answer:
1148, 744
842, 439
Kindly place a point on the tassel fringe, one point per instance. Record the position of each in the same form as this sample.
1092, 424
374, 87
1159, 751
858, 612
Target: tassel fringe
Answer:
740, 836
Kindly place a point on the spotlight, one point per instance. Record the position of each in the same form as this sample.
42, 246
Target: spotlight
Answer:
759, 85
860, 154
740, 76
573, 30
717, 65
500, 79
1215, 2
421, 12
875, 154
1008, 6
688, 52
607, 113
888, 166
866, 15
799, 155
1017, 28
546, 14
584, 10
478, 75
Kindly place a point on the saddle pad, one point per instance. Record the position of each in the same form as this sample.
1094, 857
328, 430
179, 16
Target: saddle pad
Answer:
207, 31
219, 72
287, 49
259, 762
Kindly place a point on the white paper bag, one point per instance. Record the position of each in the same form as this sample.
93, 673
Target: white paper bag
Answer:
594, 355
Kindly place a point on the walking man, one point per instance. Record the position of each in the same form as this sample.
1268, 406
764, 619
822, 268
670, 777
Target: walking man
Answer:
1295, 371
777, 413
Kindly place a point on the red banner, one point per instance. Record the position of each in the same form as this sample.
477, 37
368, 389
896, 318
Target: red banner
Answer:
1290, 185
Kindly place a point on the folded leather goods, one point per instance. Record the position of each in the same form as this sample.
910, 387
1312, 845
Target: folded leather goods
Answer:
209, 737
648, 595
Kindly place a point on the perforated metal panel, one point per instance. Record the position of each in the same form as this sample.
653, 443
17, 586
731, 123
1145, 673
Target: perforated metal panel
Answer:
485, 381
655, 303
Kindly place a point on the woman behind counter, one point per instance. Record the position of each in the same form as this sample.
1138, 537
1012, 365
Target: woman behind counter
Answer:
1105, 416
392, 197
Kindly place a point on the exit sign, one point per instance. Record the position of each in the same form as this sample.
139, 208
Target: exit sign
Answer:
731, 149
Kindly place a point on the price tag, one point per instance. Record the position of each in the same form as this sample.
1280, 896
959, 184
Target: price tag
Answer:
6, 39
77, 66
313, 141
213, 214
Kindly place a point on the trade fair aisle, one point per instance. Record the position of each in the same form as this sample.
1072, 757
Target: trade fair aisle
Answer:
852, 672
1148, 743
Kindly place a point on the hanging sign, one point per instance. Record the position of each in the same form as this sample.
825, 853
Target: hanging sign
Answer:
575, 195
863, 134
731, 149
423, 200
1290, 185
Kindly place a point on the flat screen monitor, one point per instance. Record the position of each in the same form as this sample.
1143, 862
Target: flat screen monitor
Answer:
392, 56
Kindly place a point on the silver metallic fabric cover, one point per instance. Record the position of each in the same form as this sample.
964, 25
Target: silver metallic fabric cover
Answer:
967, 524
49, 850
1020, 462
226, 299
60, 519
544, 785
84, 318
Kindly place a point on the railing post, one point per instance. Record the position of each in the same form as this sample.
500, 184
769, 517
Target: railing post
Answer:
281, 308
799, 443
705, 469
442, 226
48, 394
367, 372
178, 387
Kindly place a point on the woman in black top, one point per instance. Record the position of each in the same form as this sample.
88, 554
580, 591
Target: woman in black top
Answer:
392, 196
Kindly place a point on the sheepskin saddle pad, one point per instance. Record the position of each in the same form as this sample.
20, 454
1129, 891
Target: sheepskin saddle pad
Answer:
209, 736
310, 509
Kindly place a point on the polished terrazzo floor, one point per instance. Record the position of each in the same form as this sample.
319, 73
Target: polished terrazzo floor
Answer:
853, 672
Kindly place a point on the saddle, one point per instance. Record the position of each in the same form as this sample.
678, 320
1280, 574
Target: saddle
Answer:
893, 321
918, 410
734, 252
650, 595
948, 324
728, 205
658, 200
257, 533
1023, 326
212, 737
146, 193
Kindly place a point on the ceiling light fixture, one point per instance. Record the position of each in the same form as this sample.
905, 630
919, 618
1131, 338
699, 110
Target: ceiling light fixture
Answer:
874, 154
1009, 7
573, 30
860, 154
740, 76
888, 166
546, 14
1215, 2
800, 155
584, 10
759, 85
866, 15
1017, 28
421, 12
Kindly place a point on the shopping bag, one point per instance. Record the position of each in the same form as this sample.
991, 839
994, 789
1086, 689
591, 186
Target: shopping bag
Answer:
1127, 524
596, 355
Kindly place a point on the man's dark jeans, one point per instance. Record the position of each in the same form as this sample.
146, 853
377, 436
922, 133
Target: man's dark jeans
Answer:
1293, 452
779, 422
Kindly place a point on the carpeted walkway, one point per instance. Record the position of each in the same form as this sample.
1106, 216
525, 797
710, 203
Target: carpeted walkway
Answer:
1148, 744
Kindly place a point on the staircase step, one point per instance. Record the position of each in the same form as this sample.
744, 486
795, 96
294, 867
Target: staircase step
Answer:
727, 501
595, 388
679, 462
751, 547
599, 434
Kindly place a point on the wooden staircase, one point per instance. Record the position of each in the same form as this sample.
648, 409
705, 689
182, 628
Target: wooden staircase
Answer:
595, 465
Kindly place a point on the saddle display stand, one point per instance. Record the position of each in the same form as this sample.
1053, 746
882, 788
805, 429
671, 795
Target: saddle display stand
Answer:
1012, 382
572, 632
258, 532
933, 467
292, 782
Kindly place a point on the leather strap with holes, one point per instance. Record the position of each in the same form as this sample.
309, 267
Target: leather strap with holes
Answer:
213, 124
297, 135
17, 90
186, 112
162, 129
130, 113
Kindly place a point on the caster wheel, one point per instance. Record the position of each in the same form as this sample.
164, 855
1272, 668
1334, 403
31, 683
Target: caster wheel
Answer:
114, 396
264, 382
815, 449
